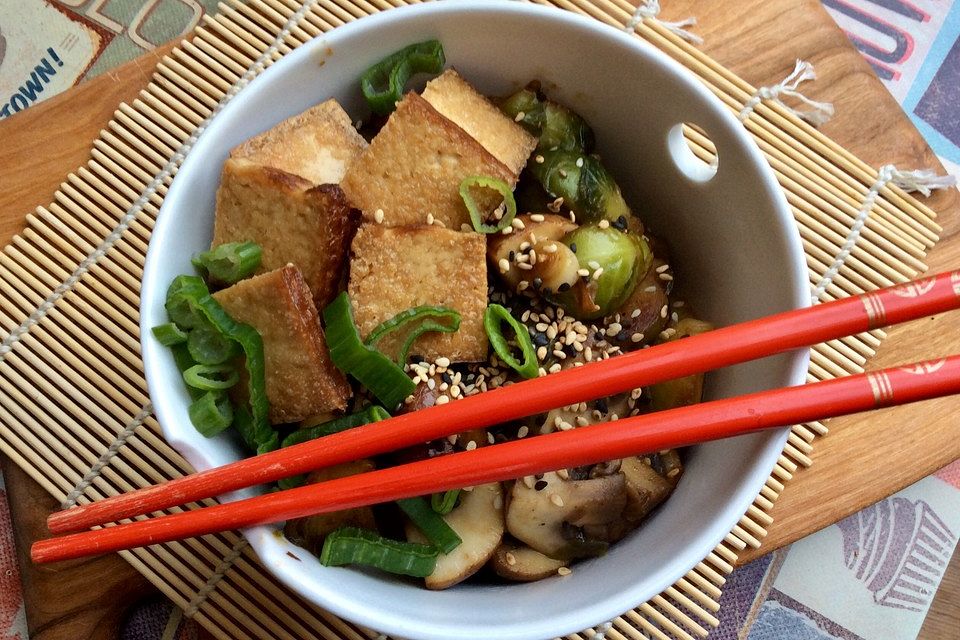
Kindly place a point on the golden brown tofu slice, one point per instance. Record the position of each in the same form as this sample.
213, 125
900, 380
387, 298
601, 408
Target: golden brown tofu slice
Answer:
293, 221
317, 145
301, 379
457, 100
414, 167
393, 269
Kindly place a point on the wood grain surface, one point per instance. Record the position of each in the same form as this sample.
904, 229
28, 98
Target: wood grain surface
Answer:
862, 460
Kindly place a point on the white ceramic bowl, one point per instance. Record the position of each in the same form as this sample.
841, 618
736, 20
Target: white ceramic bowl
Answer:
734, 245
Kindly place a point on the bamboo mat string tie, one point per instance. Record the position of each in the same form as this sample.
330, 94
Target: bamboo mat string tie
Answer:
107, 456
600, 633
651, 9
819, 112
218, 573
922, 181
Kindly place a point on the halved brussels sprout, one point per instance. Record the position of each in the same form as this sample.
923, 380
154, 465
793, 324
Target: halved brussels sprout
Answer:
585, 185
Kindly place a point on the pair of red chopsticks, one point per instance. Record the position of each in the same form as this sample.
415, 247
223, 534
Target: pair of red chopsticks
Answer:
587, 445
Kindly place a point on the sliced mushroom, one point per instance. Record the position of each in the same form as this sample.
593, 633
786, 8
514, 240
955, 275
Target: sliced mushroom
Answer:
504, 249
688, 390
478, 520
520, 563
309, 532
541, 512
643, 313
645, 488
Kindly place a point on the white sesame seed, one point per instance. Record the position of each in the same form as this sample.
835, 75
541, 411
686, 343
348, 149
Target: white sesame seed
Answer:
505, 231
673, 473
517, 223
510, 558
529, 481
551, 332
597, 274
431, 383
522, 285
675, 316
541, 372
636, 312
560, 354
378, 216
525, 316
583, 273
538, 159
542, 353
430, 218
579, 162
662, 268
442, 400
593, 264
524, 246
504, 265
604, 224
550, 248
616, 326
471, 445
666, 277
651, 289
520, 116
455, 392
526, 266
555, 367
556, 499
443, 361
663, 311
582, 422
637, 337
523, 431
563, 174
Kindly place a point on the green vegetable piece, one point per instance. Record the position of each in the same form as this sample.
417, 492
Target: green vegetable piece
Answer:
526, 105
208, 377
189, 297
372, 369
181, 302
424, 315
373, 413
228, 263
564, 129
477, 217
492, 319
169, 334
211, 413
383, 83
585, 185
443, 503
434, 527
624, 258
350, 545
556, 126
208, 346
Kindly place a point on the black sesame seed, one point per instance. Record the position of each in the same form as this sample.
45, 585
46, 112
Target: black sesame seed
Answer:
511, 256
540, 485
623, 336
537, 283
446, 377
564, 287
540, 339
538, 476
416, 357
573, 247
601, 405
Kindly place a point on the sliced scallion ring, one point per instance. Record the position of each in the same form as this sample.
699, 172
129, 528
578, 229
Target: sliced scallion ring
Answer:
430, 523
493, 318
383, 83
169, 334
473, 208
443, 503
351, 545
211, 377
211, 413
229, 263
425, 315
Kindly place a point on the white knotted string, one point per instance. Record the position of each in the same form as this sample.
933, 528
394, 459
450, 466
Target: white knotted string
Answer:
923, 181
651, 9
600, 633
818, 113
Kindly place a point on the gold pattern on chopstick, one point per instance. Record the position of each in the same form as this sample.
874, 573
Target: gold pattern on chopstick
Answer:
876, 313
915, 289
955, 281
880, 385
923, 368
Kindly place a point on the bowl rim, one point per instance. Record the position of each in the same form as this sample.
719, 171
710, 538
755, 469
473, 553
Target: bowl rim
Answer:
262, 539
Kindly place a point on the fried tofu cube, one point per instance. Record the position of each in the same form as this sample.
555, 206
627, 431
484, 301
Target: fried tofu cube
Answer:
301, 379
292, 220
394, 269
414, 167
318, 145
456, 99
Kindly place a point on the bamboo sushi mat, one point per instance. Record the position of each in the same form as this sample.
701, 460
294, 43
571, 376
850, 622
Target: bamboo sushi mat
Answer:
74, 410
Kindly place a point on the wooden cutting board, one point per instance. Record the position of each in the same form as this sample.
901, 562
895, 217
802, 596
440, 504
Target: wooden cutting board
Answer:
864, 459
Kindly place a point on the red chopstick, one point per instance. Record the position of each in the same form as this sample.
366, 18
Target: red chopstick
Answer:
713, 350
564, 449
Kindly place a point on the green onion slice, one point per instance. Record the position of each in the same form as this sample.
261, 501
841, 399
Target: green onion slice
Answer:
492, 319
477, 216
228, 263
383, 83
351, 545
191, 293
443, 503
433, 526
169, 334
208, 346
425, 315
211, 377
372, 369
211, 413
373, 413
